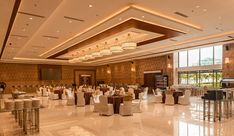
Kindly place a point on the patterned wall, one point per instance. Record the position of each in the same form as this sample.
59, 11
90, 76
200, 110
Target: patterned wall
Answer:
228, 69
131, 73
27, 74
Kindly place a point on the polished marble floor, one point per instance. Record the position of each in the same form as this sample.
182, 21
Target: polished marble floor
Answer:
155, 120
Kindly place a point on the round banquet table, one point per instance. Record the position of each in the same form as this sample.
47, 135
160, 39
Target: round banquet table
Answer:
136, 92
87, 96
116, 101
104, 90
59, 92
176, 95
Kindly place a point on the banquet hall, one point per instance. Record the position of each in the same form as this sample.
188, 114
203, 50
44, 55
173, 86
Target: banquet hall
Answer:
116, 68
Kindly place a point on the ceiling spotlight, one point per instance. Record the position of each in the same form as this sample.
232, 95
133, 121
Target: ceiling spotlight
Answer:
143, 16
197, 6
90, 6
204, 10
120, 19
70, 21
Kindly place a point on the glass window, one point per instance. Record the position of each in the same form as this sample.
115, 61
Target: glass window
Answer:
206, 78
218, 54
218, 77
183, 78
193, 57
192, 78
206, 56
183, 59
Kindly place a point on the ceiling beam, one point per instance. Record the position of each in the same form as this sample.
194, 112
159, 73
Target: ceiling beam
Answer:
11, 22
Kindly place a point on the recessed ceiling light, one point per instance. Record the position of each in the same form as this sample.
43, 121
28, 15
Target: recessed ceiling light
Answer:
30, 18
70, 21
48, 38
204, 10
220, 17
57, 31
90, 6
143, 16
197, 6
120, 19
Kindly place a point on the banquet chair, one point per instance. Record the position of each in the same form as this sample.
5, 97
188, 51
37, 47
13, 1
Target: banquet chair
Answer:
39, 92
131, 90
121, 89
185, 98
44, 102
80, 98
105, 108
53, 96
64, 97
169, 99
96, 103
136, 104
126, 108
70, 98
145, 93
111, 88
157, 96
45, 92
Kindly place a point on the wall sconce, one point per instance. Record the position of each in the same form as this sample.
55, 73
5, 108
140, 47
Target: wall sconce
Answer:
133, 69
108, 69
169, 65
227, 61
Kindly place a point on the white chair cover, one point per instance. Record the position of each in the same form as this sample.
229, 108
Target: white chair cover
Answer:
157, 96
70, 98
80, 98
126, 108
185, 98
136, 104
131, 90
105, 108
169, 99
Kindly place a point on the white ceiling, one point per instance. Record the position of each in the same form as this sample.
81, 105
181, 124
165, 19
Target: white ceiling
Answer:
208, 21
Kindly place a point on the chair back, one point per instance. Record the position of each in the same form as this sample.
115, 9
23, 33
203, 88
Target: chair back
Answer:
121, 89
155, 93
69, 93
103, 103
127, 106
141, 95
80, 95
111, 88
131, 90
187, 93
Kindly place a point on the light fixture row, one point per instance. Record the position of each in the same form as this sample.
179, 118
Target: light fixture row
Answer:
105, 52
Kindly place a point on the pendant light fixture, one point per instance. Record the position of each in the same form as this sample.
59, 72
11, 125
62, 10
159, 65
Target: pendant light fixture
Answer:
116, 48
105, 51
129, 45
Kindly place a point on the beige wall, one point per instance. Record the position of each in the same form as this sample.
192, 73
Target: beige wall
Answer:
122, 73
27, 74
